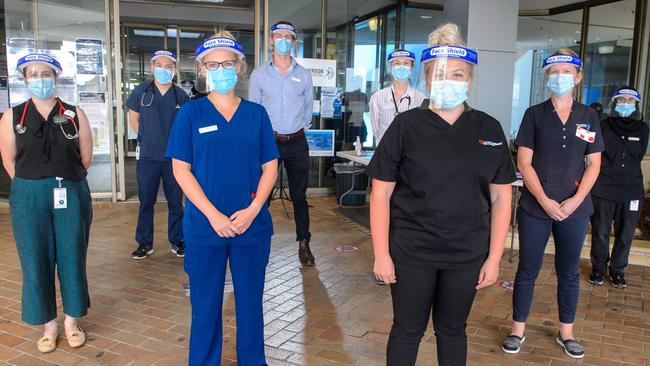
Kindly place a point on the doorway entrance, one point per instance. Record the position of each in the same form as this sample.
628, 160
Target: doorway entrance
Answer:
139, 41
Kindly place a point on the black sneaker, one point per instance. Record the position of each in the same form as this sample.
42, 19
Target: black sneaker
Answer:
512, 344
596, 278
571, 347
618, 280
142, 252
179, 249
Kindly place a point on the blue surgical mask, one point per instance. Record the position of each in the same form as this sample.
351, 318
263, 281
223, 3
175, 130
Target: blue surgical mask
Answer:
625, 109
222, 80
448, 94
162, 75
282, 46
41, 88
401, 72
560, 84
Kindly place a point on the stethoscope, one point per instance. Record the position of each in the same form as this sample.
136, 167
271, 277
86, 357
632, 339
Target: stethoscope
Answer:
59, 119
150, 87
392, 93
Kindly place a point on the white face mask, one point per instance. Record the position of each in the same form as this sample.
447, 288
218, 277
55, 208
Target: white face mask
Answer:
448, 94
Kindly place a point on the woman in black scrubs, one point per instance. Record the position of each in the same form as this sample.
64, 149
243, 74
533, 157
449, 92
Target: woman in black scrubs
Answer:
440, 206
618, 193
559, 145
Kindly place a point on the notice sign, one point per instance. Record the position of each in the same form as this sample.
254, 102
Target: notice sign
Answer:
323, 72
90, 56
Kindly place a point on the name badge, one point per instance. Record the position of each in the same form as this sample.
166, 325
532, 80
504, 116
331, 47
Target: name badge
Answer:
631, 138
137, 152
207, 129
70, 113
634, 205
586, 135
296, 79
60, 198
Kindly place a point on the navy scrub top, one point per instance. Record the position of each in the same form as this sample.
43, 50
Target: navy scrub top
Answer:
155, 120
226, 159
559, 155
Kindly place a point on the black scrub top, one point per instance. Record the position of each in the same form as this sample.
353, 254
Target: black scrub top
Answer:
558, 153
620, 178
440, 208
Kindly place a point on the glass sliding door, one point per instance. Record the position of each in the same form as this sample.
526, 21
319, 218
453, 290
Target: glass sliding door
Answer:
72, 31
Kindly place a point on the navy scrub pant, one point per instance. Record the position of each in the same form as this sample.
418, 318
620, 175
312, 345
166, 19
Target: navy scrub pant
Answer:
569, 236
148, 174
295, 157
625, 222
49, 239
446, 295
206, 267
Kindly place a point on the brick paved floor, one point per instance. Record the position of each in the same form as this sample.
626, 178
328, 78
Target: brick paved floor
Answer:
331, 314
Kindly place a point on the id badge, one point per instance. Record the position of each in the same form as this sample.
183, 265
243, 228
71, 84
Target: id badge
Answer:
60, 198
586, 135
137, 152
634, 205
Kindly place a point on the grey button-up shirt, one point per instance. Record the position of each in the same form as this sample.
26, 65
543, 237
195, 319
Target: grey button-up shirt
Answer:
288, 98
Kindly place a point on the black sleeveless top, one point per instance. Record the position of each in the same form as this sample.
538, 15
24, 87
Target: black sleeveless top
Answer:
44, 151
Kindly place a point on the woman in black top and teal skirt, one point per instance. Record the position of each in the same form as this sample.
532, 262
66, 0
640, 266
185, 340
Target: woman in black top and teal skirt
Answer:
440, 206
46, 147
618, 193
559, 145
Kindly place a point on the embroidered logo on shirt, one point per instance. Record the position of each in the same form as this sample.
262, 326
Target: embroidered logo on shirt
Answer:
586, 126
296, 79
632, 138
489, 143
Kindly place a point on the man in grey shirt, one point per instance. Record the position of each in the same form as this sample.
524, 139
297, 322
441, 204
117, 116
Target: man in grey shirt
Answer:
285, 89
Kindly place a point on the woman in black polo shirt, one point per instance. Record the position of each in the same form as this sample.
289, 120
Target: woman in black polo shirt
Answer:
559, 145
440, 206
618, 193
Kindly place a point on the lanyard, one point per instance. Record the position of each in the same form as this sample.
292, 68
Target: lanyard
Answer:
400, 100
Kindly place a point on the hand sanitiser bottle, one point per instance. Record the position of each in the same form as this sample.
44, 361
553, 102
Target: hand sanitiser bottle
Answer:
357, 146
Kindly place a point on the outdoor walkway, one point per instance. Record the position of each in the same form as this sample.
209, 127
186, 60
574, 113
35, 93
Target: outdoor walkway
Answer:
331, 314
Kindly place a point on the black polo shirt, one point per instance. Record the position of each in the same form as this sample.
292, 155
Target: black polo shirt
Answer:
626, 141
440, 208
559, 154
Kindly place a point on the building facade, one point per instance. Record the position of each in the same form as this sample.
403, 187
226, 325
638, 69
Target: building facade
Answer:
105, 46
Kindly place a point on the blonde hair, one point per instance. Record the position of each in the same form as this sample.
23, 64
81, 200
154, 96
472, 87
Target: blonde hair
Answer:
221, 32
447, 34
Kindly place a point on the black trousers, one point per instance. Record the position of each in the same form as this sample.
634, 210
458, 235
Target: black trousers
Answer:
445, 294
625, 222
295, 156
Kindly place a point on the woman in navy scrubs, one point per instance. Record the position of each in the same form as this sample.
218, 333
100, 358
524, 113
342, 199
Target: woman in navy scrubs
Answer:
559, 146
225, 160
440, 206
618, 193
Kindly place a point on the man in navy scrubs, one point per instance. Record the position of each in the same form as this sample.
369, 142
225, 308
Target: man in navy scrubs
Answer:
285, 89
152, 109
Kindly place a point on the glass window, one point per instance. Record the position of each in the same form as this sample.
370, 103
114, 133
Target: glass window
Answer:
609, 46
416, 26
72, 31
537, 38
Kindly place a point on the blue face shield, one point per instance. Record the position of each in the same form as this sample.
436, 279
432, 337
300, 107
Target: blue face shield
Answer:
401, 72
560, 84
625, 109
163, 75
282, 46
222, 80
448, 94
41, 88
